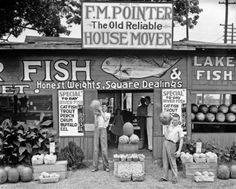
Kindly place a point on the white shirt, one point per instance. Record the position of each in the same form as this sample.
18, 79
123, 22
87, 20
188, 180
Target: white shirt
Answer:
103, 121
150, 110
174, 133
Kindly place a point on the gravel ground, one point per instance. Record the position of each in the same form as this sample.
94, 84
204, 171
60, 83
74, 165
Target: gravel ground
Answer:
85, 179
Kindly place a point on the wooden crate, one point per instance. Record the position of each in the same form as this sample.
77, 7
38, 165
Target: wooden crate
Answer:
60, 167
128, 148
129, 167
190, 168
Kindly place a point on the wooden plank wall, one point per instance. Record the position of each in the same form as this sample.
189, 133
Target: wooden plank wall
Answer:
222, 139
84, 142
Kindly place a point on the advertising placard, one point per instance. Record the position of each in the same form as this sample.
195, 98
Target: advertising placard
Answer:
70, 103
127, 25
173, 100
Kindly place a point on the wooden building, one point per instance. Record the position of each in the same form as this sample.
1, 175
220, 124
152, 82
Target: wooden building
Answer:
52, 74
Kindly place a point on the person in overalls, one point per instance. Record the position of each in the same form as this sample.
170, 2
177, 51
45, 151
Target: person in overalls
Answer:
173, 133
102, 118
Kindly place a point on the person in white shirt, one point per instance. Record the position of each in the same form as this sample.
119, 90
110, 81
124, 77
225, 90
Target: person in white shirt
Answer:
173, 133
149, 121
102, 118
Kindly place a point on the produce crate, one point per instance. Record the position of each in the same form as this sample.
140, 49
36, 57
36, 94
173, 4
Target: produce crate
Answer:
129, 167
190, 168
128, 147
60, 167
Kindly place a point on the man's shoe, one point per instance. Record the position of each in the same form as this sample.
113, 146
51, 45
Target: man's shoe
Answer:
162, 179
94, 170
107, 170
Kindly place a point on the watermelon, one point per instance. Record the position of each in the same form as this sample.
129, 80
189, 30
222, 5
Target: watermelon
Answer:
223, 172
230, 117
3, 176
26, 174
233, 171
232, 108
203, 108
194, 108
165, 118
13, 175
210, 117
223, 108
200, 116
128, 129
220, 117
213, 109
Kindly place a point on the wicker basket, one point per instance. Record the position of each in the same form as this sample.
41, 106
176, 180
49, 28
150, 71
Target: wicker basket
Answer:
200, 160
49, 180
138, 177
211, 160
186, 160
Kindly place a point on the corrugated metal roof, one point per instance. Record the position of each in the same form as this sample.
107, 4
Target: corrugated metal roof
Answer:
52, 43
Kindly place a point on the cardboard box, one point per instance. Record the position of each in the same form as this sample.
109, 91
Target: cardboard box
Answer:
60, 167
190, 168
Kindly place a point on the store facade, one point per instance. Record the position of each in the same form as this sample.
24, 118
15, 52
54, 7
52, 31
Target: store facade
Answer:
59, 80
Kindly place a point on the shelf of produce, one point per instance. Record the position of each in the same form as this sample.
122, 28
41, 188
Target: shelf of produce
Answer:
214, 123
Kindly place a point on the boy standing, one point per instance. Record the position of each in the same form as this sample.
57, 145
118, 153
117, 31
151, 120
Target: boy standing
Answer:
102, 118
173, 134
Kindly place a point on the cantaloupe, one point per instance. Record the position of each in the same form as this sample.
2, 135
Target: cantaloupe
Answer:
123, 139
223, 172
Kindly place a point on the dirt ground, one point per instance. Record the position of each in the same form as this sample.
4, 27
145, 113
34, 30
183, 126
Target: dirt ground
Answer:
85, 179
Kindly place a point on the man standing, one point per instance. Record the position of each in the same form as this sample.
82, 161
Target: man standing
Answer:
102, 118
149, 121
141, 119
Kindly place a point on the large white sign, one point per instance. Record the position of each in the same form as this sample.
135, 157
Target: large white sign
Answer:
127, 25
173, 100
69, 102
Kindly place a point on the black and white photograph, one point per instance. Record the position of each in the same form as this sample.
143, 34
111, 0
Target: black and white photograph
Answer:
137, 94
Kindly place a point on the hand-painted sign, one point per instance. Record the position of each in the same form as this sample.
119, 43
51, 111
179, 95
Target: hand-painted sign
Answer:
70, 116
173, 99
125, 68
214, 68
127, 25
93, 72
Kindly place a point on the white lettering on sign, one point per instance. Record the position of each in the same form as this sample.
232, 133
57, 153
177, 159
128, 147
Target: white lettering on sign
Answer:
205, 68
31, 68
127, 25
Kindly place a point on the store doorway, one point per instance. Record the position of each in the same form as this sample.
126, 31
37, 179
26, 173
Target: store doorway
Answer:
124, 103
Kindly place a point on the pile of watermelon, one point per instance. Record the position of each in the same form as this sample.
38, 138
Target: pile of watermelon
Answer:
213, 113
129, 136
225, 172
15, 174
